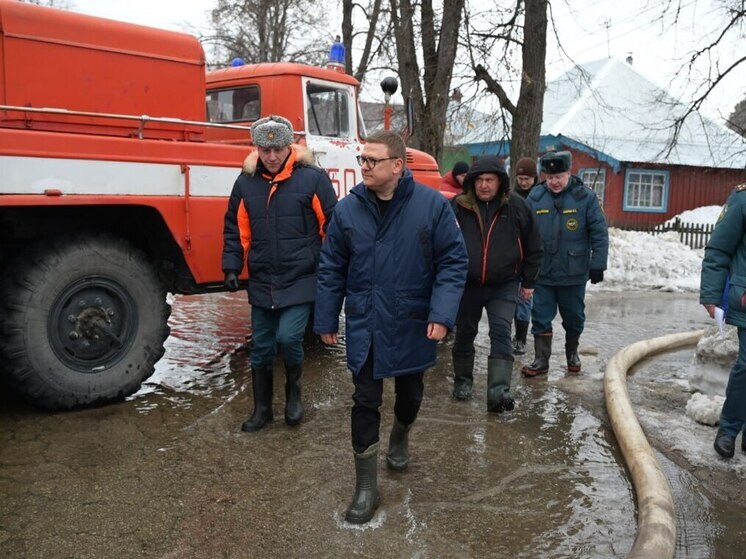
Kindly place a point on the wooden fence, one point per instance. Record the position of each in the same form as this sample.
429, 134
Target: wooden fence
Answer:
695, 235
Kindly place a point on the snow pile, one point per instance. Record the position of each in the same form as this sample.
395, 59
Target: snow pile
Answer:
704, 215
713, 360
704, 409
645, 261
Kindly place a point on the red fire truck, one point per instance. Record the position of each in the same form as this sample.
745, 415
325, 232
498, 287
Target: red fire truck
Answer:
117, 154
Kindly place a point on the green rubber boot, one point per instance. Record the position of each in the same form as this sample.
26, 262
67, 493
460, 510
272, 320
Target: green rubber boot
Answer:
463, 378
397, 458
365, 501
499, 373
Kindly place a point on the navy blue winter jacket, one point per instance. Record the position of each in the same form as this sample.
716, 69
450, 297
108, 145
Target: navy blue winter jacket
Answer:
573, 228
276, 223
395, 274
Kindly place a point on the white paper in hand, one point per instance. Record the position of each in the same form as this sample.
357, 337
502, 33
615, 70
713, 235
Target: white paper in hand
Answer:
720, 321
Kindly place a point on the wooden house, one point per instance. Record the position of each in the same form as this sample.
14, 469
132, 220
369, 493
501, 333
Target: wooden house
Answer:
619, 126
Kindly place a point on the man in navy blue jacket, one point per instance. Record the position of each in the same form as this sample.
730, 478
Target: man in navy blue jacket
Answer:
576, 246
394, 254
276, 217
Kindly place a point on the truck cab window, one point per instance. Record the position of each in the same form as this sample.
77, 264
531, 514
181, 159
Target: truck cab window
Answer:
233, 105
328, 110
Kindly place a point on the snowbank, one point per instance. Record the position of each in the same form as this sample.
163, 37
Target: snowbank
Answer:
705, 215
642, 261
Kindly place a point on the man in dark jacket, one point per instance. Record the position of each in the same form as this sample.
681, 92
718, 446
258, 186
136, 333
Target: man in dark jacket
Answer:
504, 249
276, 218
394, 254
576, 245
725, 264
525, 179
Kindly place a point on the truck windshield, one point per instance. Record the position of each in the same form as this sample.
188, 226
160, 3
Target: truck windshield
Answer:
233, 105
328, 110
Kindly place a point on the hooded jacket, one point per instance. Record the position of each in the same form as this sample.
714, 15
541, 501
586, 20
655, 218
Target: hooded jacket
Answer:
573, 227
395, 273
276, 224
501, 235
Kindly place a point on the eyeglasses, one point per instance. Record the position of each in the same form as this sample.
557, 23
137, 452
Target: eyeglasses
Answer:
371, 162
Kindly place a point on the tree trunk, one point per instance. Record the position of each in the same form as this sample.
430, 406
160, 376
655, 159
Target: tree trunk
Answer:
431, 98
528, 114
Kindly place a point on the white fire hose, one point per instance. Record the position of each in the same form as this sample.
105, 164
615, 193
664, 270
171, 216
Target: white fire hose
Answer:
656, 532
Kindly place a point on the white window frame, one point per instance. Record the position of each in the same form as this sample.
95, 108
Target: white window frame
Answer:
646, 190
595, 179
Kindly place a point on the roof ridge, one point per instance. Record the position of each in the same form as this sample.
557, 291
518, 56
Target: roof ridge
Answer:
589, 91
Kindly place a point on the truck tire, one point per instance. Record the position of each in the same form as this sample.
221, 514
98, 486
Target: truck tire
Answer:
83, 320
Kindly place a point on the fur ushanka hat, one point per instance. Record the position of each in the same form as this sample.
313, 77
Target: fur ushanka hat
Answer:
272, 132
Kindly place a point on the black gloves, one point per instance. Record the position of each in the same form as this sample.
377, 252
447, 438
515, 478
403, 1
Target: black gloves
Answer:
596, 276
231, 280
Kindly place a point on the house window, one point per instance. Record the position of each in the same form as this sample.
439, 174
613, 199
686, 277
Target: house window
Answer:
646, 191
595, 179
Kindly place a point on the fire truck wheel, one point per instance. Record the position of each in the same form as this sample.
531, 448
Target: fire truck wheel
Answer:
84, 320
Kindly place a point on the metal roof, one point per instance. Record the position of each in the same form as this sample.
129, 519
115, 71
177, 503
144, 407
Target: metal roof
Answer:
609, 109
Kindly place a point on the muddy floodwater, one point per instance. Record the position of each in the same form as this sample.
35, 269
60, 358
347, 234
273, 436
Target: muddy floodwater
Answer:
167, 474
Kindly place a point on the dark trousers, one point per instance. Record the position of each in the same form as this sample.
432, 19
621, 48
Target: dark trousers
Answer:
368, 397
569, 299
284, 327
733, 416
500, 302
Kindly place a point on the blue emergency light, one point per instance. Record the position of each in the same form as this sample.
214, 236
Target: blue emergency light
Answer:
337, 52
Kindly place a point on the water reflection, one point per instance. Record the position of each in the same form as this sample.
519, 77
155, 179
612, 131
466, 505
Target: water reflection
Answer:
543, 481
208, 343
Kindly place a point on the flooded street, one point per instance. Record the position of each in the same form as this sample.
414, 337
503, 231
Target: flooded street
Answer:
168, 474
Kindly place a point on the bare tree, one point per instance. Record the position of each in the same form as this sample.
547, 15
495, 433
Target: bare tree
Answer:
525, 27
376, 34
706, 60
428, 86
268, 31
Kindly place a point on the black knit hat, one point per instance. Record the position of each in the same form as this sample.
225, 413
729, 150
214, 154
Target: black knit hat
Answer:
460, 168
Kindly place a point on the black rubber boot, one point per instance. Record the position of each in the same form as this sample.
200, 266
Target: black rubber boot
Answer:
519, 342
499, 373
542, 353
293, 403
397, 458
262, 379
365, 501
463, 378
571, 352
725, 445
